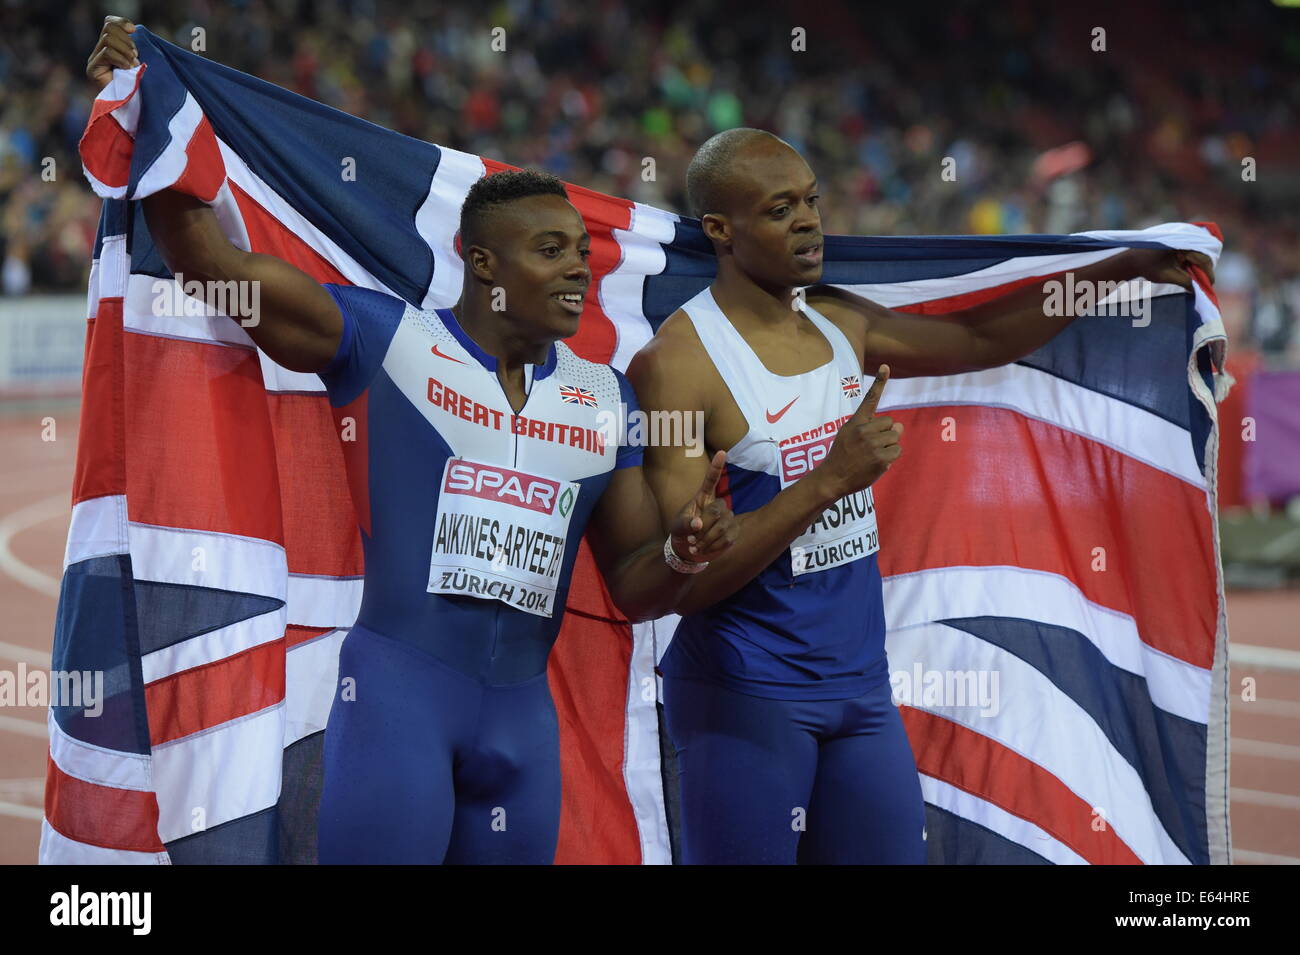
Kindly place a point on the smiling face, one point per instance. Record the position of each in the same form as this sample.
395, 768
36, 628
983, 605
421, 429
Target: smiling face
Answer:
537, 256
771, 224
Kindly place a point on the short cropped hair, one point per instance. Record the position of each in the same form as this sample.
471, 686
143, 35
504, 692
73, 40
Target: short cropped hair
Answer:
491, 192
706, 177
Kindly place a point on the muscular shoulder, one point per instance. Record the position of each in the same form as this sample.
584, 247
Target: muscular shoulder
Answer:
676, 338
673, 369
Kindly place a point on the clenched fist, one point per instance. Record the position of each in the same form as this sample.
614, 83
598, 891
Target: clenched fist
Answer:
115, 50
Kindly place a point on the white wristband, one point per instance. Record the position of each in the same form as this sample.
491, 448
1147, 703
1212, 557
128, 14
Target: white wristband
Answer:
679, 565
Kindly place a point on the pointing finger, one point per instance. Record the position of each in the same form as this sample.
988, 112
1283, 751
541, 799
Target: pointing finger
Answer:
708, 489
872, 399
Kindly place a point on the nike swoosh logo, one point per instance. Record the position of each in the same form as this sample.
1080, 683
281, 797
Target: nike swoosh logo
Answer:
774, 418
446, 356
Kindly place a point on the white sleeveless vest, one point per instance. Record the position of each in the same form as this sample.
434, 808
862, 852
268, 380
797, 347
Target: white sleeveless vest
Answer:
793, 421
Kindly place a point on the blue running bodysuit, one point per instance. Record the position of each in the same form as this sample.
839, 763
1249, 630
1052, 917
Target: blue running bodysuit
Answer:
442, 741
777, 699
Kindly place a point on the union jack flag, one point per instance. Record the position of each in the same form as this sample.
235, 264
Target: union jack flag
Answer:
852, 386
1114, 684
581, 396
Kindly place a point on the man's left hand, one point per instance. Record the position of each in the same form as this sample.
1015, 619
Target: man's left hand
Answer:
706, 527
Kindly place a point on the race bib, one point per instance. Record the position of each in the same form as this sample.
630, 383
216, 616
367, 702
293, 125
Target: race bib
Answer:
500, 535
844, 532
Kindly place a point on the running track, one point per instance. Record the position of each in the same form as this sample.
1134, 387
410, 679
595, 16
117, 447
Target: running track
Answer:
35, 494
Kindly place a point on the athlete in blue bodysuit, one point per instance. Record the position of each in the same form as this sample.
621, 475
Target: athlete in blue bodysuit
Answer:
478, 454
776, 686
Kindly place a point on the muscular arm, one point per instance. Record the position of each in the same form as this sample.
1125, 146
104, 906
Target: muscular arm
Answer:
627, 540
992, 333
302, 326
668, 376
296, 321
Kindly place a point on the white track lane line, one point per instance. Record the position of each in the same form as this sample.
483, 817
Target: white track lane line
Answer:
14, 724
11, 525
1258, 747
1288, 709
21, 812
12, 651
1256, 797
20, 520
1266, 658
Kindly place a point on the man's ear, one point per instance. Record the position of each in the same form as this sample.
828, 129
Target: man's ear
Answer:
481, 262
716, 228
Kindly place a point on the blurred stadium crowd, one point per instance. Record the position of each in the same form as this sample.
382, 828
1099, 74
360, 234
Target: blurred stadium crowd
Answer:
1047, 134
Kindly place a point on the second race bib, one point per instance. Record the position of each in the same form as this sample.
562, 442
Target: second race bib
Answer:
844, 532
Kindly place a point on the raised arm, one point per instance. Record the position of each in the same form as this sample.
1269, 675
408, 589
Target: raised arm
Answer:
291, 316
296, 321
668, 375
992, 333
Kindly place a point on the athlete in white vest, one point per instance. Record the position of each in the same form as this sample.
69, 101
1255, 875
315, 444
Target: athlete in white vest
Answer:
776, 685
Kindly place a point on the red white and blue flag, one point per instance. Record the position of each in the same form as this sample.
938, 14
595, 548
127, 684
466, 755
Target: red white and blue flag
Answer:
1052, 523
572, 394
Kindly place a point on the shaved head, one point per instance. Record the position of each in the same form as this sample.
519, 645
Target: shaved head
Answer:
711, 176
757, 202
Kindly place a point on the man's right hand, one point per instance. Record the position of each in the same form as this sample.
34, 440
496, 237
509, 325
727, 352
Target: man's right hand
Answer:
115, 50
303, 326
865, 447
